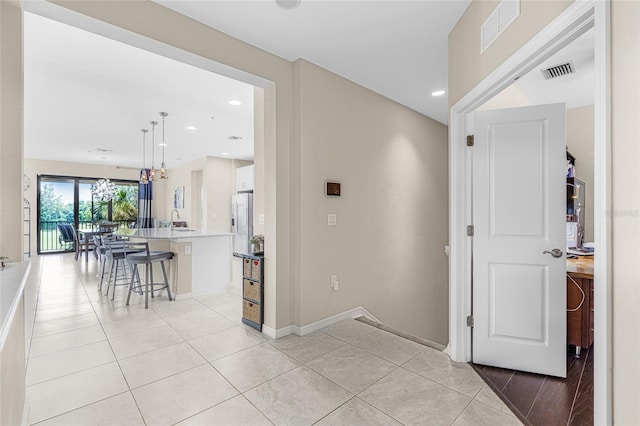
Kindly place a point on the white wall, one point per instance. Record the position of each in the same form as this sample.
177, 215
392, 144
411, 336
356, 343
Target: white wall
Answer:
387, 248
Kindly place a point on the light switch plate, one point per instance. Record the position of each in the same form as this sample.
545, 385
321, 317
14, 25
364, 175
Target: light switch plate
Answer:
187, 250
261, 219
332, 219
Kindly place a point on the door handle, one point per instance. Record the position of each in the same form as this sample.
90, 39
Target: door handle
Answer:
555, 252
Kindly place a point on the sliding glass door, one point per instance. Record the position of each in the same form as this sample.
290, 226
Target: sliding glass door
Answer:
69, 200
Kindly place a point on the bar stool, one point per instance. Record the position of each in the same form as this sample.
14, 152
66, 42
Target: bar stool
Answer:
138, 254
115, 255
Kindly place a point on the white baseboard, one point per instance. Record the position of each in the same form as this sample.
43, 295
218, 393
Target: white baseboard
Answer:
276, 334
183, 296
317, 325
447, 350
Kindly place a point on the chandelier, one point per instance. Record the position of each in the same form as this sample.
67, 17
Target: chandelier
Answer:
104, 190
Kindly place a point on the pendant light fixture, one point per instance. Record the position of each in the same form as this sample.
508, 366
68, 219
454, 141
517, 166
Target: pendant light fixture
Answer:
144, 177
163, 167
152, 172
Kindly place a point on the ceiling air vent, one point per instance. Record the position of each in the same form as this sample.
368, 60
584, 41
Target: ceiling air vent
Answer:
234, 138
558, 70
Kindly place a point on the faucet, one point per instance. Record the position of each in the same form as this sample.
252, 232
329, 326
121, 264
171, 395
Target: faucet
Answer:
177, 215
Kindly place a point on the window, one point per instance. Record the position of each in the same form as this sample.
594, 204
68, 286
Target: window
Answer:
68, 200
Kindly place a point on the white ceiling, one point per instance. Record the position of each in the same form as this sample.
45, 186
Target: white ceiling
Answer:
395, 48
575, 90
84, 91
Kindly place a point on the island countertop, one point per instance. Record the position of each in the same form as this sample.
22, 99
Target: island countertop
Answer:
168, 233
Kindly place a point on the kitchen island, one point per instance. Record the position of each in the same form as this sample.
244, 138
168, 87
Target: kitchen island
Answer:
202, 262
12, 342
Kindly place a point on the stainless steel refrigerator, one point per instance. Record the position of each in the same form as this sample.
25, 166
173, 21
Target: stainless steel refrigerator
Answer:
241, 221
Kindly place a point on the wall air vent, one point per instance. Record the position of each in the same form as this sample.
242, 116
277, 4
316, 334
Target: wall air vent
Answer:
234, 138
558, 70
506, 12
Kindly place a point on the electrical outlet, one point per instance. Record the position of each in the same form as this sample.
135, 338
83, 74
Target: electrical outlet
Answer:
261, 219
332, 219
187, 250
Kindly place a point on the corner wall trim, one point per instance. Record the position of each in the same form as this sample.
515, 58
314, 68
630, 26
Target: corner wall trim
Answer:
276, 333
317, 325
25, 413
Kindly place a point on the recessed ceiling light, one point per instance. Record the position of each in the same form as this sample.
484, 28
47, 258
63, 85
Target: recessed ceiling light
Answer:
162, 144
191, 128
224, 153
438, 93
235, 103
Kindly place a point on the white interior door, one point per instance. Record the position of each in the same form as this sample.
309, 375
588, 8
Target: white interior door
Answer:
519, 289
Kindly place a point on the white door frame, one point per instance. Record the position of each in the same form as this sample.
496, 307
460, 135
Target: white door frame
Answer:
574, 21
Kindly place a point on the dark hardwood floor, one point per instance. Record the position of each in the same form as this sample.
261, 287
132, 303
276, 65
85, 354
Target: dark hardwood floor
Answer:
544, 400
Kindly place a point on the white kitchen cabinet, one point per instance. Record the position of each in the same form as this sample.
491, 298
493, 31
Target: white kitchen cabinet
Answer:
244, 178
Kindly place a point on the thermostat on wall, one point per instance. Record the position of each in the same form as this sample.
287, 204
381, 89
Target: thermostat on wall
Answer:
332, 189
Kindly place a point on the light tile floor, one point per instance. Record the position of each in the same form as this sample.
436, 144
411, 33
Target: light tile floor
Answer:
92, 361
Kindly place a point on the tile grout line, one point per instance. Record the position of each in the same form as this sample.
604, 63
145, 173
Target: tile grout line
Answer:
84, 284
533, 403
76, 408
575, 395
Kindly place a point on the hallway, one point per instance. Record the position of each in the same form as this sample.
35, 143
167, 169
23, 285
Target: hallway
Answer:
191, 361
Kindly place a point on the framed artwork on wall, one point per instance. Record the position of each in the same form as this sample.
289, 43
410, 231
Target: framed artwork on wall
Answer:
178, 197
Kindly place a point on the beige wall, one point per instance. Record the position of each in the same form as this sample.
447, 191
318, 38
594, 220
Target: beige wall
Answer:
258, 158
387, 248
11, 152
178, 176
467, 66
219, 175
625, 132
580, 144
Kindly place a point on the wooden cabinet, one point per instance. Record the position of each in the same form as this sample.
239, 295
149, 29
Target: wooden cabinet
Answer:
253, 291
579, 311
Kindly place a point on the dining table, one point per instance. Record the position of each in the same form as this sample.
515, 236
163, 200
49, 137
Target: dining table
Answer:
87, 235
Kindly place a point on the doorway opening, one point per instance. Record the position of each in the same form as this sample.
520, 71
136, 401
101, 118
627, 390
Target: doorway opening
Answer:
570, 25
567, 78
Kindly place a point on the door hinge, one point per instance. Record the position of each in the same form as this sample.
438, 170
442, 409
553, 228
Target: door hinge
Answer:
470, 140
470, 230
470, 321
